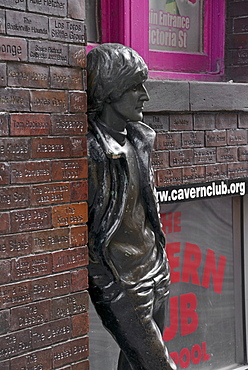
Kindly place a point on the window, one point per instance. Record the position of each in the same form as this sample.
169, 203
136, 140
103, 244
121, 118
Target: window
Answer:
179, 39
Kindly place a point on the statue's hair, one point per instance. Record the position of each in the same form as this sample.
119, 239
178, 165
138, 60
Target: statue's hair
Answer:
112, 69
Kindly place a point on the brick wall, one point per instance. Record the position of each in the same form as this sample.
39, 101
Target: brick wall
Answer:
199, 147
237, 41
43, 188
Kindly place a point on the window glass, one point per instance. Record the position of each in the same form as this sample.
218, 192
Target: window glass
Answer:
93, 20
176, 25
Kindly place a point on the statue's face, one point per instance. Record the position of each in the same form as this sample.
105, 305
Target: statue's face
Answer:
131, 104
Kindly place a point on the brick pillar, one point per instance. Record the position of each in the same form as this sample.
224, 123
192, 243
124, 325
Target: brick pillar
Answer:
237, 41
43, 186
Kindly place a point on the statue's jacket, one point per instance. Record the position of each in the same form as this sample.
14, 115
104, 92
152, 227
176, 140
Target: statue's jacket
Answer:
108, 187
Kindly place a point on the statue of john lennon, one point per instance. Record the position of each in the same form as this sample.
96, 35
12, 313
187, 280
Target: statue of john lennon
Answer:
128, 270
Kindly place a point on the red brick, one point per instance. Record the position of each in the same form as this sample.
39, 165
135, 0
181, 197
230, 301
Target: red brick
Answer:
192, 139
48, 52
243, 153
30, 172
226, 121
80, 324
69, 124
14, 148
14, 197
69, 259
238, 170
5, 365
240, 25
31, 266
237, 137
76, 9
45, 7
216, 172
77, 55
243, 120
4, 223
73, 304
238, 41
28, 75
204, 121
4, 321
51, 286
79, 236
78, 102
51, 332
79, 191
29, 124
50, 193
160, 159
227, 154
215, 138
5, 268
4, 128
15, 245
82, 365
50, 147
205, 155
169, 176
181, 122
71, 351
30, 315
69, 169
170, 140
159, 122
79, 280
15, 294
237, 8
50, 240
17, 50
14, 344
3, 74
72, 214
34, 360
4, 173
18, 25
49, 101
66, 78
181, 157
30, 219
14, 99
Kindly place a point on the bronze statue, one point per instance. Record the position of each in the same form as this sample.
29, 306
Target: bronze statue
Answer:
128, 270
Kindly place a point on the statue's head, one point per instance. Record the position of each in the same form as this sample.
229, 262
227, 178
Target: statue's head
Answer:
112, 69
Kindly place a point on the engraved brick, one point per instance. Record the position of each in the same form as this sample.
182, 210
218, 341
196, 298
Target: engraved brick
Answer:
78, 102
50, 193
15, 245
50, 148
66, 78
79, 191
215, 138
79, 236
72, 214
67, 31
48, 7
28, 75
3, 74
237, 137
71, 351
205, 155
4, 321
82, 365
53, 286
30, 219
76, 9
29, 124
226, 120
26, 25
238, 170
70, 258
181, 157
159, 122
14, 148
2, 21
194, 174
31, 266
5, 268
243, 120
14, 197
14, 99
79, 280
51, 332
228, 154
30, 315
170, 140
15, 294
48, 52
30, 172
4, 129
192, 139
204, 121
73, 304
69, 169
238, 57
77, 56
181, 122
69, 124
160, 159
14, 344
50, 240
21, 4
4, 222
216, 172
169, 176
49, 101
240, 25
4, 173
5, 365
243, 153
80, 324
78, 146
34, 360
13, 49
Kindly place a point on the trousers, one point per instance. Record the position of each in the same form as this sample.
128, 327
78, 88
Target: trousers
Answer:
135, 316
